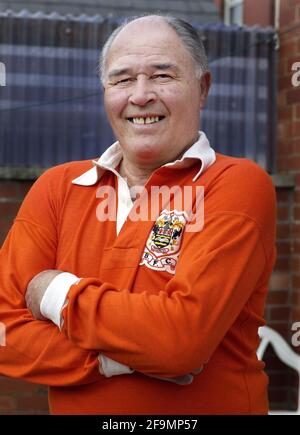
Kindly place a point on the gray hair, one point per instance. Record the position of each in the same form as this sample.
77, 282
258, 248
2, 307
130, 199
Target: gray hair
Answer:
187, 33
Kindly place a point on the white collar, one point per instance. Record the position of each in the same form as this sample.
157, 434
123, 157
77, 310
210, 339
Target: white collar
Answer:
109, 160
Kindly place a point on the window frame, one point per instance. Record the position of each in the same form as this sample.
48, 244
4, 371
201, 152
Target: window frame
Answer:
228, 7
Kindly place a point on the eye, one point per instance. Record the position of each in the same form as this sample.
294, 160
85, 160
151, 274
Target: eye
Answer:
123, 81
161, 77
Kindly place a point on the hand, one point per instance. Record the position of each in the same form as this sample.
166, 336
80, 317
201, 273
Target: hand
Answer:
109, 367
36, 290
181, 380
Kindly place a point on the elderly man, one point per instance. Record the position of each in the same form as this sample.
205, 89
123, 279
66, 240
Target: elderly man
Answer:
157, 315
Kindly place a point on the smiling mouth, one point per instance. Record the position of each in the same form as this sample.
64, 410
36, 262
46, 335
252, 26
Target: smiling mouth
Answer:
146, 120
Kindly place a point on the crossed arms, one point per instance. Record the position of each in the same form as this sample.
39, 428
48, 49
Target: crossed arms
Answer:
168, 333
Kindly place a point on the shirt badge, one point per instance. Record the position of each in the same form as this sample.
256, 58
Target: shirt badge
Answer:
163, 245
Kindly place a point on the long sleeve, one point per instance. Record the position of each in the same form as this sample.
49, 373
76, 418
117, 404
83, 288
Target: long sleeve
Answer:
36, 350
222, 271
177, 330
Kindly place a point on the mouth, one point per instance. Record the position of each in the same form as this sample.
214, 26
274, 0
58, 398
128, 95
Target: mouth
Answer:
141, 120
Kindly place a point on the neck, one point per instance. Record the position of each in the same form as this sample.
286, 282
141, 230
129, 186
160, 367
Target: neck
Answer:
134, 175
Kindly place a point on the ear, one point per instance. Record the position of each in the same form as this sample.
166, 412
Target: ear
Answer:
205, 83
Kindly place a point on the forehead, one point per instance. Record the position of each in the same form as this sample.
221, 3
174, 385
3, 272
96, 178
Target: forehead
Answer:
144, 41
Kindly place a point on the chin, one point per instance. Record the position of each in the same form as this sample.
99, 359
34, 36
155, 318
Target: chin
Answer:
147, 150
149, 159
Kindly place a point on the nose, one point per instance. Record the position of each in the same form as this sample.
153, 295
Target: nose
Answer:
142, 92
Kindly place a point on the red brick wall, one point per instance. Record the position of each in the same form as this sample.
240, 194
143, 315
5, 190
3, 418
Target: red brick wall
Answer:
286, 277
17, 397
288, 146
11, 196
219, 4
254, 13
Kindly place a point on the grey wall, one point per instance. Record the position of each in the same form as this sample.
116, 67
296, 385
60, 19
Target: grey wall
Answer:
200, 11
51, 108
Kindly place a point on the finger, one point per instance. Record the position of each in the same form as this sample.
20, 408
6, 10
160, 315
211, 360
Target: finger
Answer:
197, 371
179, 380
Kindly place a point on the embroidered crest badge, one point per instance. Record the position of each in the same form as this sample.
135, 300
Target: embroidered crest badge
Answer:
163, 245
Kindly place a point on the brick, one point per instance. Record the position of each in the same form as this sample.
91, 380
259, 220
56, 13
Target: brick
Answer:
277, 297
283, 230
287, 47
281, 96
295, 130
285, 82
277, 378
282, 263
5, 224
282, 164
282, 67
295, 264
24, 187
296, 196
32, 404
283, 212
294, 143
295, 232
9, 209
287, 17
14, 386
285, 113
284, 147
295, 247
6, 405
279, 281
293, 162
296, 281
3, 236
296, 213
9, 189
294, 396
283, 195
281, 130
297, 180
296, 297
293, 95
295, 311
279, 395
284, 248
293, 3
280, 313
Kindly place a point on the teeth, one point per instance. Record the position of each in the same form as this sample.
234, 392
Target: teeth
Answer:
148, 120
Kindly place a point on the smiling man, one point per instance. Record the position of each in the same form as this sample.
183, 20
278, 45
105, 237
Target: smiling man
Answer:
143, 316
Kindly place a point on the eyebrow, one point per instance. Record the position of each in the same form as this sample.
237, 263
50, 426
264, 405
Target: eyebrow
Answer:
160, 66
164, 66
118, 72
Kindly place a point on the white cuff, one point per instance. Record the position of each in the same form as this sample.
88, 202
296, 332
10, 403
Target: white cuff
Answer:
55, 296
110, 367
